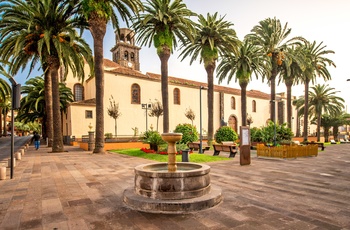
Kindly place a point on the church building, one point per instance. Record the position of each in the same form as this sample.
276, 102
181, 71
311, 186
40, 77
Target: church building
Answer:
134, 91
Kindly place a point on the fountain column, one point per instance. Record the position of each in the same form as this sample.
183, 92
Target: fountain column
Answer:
172, 138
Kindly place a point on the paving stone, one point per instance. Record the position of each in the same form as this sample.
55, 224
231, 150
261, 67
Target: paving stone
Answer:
80, 190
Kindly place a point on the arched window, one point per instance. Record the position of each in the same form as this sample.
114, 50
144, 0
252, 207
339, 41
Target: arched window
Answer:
132, 56
233, 103
254, 106
176, 96
135, 94
232, 122
78, 92
126, 55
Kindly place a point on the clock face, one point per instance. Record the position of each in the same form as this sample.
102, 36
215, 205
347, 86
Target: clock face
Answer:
129, 64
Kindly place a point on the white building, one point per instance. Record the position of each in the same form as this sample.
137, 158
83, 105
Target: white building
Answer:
131, 88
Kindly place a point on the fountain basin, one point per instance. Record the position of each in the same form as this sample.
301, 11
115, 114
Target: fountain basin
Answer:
189, 181
157, 190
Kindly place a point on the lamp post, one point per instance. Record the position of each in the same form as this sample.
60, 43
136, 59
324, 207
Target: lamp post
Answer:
16, 95
200, 119
146, 106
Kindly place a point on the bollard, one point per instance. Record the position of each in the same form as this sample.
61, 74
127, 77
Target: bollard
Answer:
2, 173
22, 151
27, 146
18, 156
185, 156
9, 163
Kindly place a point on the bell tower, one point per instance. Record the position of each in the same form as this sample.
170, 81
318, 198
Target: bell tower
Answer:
125, 52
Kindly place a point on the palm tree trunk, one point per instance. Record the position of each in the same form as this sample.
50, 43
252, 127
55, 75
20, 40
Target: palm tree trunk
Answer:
289, 84
306, 110
318, 127
115, 127
164, 57
48, 109
244, 102
57, 143
273, 87
4, 120
0, 121
210, 72
98, 30
326, 134
273, 97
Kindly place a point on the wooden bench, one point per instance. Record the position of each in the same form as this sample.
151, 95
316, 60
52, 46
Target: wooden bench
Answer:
196, 146
320, 144
232, 149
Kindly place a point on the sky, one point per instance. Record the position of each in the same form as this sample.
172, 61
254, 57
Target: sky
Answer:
316, 20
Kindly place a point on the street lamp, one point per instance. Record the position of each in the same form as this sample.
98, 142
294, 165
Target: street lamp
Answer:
200, 119
146, 106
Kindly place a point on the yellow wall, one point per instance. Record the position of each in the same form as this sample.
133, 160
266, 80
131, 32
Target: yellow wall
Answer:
132, 115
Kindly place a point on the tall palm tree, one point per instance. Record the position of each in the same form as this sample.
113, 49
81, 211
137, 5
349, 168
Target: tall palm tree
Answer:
315, 66
213, 37
33, 104
322, 100
291, 70
45, 31
5, 96
249, 59
163, 23
270, 35
98, 14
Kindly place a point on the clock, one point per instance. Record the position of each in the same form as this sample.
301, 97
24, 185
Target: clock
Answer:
130, 64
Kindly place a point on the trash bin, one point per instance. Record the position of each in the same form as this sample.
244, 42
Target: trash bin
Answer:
185, 155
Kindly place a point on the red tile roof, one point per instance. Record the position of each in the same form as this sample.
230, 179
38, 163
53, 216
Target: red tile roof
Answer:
113, 67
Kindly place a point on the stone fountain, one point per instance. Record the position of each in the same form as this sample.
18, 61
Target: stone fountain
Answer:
172, 187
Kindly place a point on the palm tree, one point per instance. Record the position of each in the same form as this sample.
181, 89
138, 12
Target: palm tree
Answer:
315, 66
322, 100
33, 104
270, 35
163, 23
291, 70
5, 95
249, 59
98, 14
45, 31
213, 37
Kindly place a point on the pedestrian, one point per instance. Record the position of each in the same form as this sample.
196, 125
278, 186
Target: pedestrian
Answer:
36, 139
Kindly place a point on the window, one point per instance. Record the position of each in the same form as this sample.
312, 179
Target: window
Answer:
135, 94
254, 106
176, 96
132, 56
126, 55
78, 92
233, 103
88, 113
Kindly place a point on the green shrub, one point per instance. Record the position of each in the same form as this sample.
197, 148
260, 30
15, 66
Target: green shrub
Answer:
153, 138
225, 133
257, 135
108, 135
266, 134
189, 133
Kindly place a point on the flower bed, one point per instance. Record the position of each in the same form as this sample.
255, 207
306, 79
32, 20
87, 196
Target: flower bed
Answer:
284, 151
